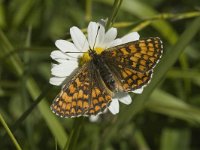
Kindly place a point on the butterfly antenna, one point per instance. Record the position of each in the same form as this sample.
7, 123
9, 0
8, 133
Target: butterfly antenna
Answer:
78, 52
75, 52
96, 36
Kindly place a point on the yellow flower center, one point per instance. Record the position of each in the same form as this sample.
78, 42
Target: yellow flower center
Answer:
98, 50
86, 57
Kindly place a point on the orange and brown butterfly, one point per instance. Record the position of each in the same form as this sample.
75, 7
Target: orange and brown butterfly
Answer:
99, 67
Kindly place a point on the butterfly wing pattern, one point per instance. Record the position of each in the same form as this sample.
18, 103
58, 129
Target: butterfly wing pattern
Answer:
133, 62
84, 95
131, 65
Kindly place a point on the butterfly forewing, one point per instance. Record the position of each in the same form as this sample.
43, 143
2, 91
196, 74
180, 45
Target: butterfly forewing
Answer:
83, 95
141, 55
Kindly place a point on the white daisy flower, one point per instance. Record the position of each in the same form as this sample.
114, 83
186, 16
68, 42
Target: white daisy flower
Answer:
99, 40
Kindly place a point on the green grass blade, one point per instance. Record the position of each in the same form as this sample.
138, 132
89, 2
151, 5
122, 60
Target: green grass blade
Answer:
24, 8
15, 65
188, 74
75, 132
164, 103
9, 133
140, 140
31, 108
174, 139
2, 16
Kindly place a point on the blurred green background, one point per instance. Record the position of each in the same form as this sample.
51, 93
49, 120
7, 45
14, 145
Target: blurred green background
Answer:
165, 117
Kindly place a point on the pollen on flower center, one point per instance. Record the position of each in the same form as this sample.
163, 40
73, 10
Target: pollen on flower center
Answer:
86, 57
98, 50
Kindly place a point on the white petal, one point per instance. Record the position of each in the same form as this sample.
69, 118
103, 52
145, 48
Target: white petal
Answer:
79, 39
92, 33
53, 65
109, 37
100, 36
61, 60
138, 91
74, 56
64, 69
114, 106
56, 81
58, 55
65, 46
115, 42
94, 118
125, 98
133, 36
61, 57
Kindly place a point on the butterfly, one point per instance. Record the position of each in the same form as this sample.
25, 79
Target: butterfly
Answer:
123, 68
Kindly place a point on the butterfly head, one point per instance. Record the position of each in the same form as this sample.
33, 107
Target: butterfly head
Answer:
86, 57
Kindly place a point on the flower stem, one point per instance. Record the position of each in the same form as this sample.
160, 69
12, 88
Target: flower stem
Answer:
142, 23
113, 15
88, 14
180, 16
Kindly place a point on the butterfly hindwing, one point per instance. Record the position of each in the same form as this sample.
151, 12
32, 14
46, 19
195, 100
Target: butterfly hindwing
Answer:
133, 80
100, 94
83, 95
129, 79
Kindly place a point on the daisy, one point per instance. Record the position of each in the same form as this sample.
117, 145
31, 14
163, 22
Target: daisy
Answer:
99, 40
